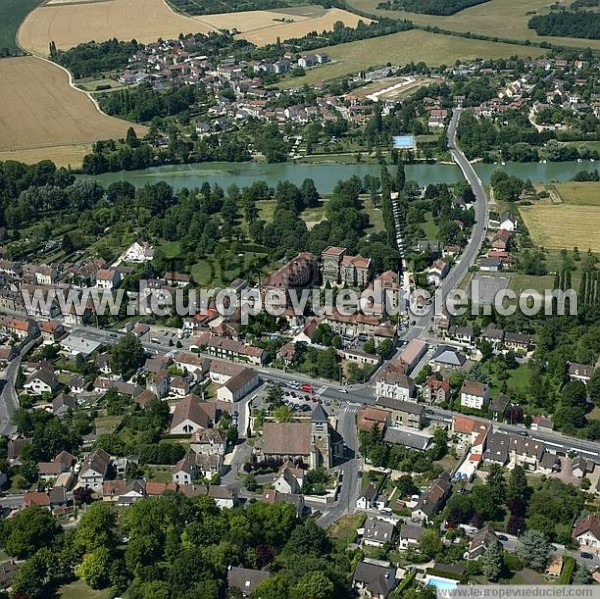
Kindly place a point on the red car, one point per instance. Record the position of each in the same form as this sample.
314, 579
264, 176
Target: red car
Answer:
307, 388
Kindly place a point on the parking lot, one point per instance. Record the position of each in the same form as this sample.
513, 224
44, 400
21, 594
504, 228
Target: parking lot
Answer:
489, 286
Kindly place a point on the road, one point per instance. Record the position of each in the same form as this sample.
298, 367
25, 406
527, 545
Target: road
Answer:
471, 251
348, 494
9, 399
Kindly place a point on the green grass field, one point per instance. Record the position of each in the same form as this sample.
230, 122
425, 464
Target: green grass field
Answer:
12, 14
404, 47
78, 589
579, 193
504, 19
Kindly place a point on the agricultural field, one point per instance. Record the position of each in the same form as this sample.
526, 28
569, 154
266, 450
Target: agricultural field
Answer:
71, 24
580, 193
12, 13
497, 18
572, 222
66, 156
271, 31
406, 46
563, 226
40, 109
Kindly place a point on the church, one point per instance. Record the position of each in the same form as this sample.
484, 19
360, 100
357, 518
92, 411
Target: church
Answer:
316, 443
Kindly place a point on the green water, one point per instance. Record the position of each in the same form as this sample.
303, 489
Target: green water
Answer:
327, 175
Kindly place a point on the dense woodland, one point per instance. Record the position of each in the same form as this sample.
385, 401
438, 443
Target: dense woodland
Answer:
584, 24
206, 7
430, 7
177, 548
92, 58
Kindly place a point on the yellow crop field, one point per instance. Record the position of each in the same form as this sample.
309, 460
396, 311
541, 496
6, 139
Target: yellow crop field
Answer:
249, 20
496, 18
40, 109
71, 24
563, 226
61, 155
271, 31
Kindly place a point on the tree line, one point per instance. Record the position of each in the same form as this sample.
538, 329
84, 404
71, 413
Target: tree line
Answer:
430, 7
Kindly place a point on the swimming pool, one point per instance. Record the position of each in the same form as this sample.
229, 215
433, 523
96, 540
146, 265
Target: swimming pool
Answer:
438, 582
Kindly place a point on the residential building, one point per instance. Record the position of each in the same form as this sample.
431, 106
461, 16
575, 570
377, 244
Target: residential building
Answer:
41, 381
403, 413
245, 580
369, 416
300, 272
474, 394
586, 531
437, 272
289, 479
140, 251
410, 536
395, 385
94, 469
433, 499
191, 414
238, 386
580, 372
435, 391
378, 532
480, 543
374, 579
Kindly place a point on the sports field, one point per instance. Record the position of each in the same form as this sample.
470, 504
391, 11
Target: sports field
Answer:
401, 48
41, 110
572, 223
498, 18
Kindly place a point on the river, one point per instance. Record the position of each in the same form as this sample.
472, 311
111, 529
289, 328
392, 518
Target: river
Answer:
326, 176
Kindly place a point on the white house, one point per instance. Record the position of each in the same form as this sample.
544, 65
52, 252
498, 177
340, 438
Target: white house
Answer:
474, 394
238, 386
107, 279
41, 381
140, 251
94, 469
586, 531
395, 385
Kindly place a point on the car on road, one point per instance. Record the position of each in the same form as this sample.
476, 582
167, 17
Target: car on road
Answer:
343, 390
586, 555
523, 433
502, 538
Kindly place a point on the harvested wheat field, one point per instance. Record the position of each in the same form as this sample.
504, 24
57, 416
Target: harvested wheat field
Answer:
40, 109
71, 24
563, 226
61, 155
272, 31
250, 20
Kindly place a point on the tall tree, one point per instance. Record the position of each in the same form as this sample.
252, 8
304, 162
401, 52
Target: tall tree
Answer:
533, 549
492, 562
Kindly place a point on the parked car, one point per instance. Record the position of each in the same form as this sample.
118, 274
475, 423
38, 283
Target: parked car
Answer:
586, 555
502, 538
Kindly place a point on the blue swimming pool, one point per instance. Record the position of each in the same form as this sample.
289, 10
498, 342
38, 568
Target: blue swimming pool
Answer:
438, 582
